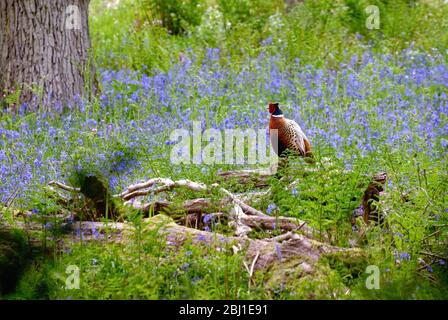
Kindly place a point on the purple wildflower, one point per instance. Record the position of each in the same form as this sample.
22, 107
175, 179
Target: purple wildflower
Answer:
271, 207
405, 256
278, 251
207, 218
48, 225
185, 266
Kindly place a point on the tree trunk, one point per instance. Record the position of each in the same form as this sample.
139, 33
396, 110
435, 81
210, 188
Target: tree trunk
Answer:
44, 51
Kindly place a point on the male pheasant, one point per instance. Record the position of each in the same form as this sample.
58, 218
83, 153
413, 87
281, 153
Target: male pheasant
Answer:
286, 134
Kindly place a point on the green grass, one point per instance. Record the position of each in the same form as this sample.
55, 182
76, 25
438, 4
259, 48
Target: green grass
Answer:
317, 32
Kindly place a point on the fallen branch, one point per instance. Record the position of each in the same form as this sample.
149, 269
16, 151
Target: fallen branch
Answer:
259, 178
268, 251
246, 208
284, 224
145, 188
236, 216
199, 205
297, 241
243, 217
63, 186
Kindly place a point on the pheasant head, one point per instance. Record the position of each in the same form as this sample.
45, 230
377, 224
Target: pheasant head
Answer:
274, 109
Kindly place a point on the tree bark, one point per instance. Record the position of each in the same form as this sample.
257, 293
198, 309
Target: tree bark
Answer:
44, 51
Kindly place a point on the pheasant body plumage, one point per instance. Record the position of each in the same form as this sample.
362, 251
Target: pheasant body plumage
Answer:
286, 134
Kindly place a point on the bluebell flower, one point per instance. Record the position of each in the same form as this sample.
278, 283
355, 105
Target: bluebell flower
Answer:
48, 225
185, 266
207, 218
405, 256
271, 207
267, 41
320, 89
278, 251
95, 233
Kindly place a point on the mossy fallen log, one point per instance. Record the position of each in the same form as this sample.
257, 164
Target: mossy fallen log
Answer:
275, 256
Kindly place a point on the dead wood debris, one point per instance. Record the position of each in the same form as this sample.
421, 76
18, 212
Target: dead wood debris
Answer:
282, 238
